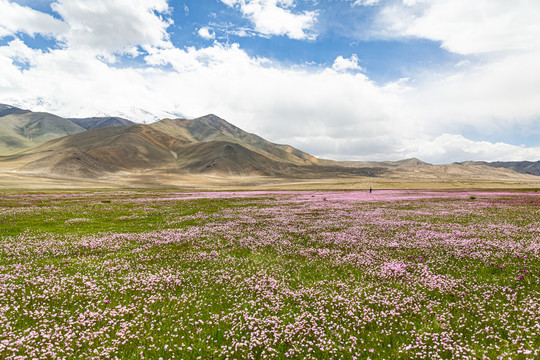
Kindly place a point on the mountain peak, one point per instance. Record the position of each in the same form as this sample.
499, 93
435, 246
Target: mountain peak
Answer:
211, 116
8, 109
412, 162
214, 120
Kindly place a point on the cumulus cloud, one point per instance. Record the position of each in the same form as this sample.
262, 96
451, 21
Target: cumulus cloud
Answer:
490, 96
19, 51
88, 86
466, 27
459, 148
275, 17
344, 64
15, 18
106, 27
494, 91
206, 33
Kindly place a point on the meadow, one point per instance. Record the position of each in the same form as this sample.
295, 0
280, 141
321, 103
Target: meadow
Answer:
270, 275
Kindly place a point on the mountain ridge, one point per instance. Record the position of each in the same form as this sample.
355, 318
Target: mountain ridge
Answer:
205, 145
21, 129
97, 122
523, 167
96, 148
213, 128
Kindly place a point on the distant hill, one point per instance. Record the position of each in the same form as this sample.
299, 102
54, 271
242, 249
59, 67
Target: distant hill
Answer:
523, 167
411, 163
97, 122
21, 129
8, 109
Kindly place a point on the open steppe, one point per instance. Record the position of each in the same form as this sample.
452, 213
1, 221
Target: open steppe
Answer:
430, 177
395, 274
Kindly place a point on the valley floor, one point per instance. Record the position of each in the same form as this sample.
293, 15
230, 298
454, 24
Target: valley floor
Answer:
18, 181
395, 274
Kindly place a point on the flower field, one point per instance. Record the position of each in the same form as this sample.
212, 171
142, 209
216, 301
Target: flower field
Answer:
277, 275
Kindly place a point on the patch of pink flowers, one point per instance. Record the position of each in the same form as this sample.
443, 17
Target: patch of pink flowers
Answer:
336, 275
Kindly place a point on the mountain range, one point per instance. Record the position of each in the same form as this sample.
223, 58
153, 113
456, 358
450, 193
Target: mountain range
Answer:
523, 167
21, 129
45, 145
91, 147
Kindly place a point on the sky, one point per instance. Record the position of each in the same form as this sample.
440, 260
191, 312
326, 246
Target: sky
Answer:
440, 80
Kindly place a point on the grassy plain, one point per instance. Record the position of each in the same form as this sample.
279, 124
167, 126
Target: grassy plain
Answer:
303, 275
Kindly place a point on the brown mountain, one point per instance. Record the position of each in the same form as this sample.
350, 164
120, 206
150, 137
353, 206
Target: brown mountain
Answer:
69, 163
206, 145
131, 147
97, 122
212, 128
21, 129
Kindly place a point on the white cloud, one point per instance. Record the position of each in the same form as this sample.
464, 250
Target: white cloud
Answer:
350, 117
15, 18
459, 148
464, 26
275, 17
12, 81
492, 92
106, 27
344, 64
493, 96
17, 50
251, 92
87, 87
442, 149
365, 2
206, 33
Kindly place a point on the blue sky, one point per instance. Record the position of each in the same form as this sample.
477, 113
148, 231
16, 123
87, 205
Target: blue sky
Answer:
344, 79
340, 31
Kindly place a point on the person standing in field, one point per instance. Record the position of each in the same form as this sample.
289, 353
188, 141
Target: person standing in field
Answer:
370, 189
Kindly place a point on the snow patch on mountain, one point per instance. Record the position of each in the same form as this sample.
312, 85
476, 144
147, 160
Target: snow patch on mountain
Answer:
143, 116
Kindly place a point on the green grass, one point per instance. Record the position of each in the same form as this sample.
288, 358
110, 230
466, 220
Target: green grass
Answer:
140, 275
